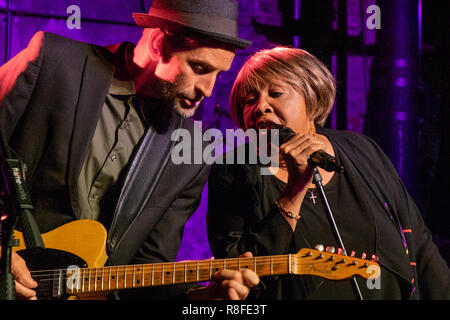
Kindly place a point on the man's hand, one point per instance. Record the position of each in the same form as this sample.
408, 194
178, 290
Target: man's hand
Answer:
24, 283
228, 285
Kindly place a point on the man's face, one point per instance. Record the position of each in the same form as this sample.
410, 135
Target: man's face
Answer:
189, 76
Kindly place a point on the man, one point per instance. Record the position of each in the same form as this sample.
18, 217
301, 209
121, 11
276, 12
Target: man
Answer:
93, 125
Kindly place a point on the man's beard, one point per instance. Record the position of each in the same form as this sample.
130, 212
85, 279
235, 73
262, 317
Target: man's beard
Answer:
173, 99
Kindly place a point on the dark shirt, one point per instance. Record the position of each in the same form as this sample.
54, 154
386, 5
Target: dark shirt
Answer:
314, 228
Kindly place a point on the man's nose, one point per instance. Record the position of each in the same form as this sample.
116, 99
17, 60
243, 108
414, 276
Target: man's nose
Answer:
206, 85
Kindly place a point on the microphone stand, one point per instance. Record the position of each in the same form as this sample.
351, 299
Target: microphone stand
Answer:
317, 180
14, 199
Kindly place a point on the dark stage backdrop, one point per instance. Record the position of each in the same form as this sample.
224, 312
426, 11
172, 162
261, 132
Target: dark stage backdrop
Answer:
345, 41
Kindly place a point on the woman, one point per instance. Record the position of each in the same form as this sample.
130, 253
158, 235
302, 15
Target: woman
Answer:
282, 213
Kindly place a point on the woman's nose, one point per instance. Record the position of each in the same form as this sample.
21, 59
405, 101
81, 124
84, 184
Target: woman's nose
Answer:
262, 107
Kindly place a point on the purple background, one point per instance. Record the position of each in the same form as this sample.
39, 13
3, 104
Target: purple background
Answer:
106, 22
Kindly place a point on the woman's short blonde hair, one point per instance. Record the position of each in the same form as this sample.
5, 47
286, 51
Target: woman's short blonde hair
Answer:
296, 67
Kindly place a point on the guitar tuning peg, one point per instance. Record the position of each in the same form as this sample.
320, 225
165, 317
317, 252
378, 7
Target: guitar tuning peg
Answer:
363, 256
330, 249
319, 247
352, 254
340, 251
374, 258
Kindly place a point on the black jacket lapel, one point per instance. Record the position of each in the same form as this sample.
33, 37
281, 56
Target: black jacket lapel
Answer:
144, 172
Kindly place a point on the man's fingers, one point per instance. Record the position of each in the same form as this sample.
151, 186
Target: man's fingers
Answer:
233, 295
228, 275
251, 279
234, 286
246, 254
21, 272
25, 292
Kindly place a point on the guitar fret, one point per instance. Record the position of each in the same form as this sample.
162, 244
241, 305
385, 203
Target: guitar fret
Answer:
153, 274
289, 265
185, 271
134, 276
162, 274
89, 282
124, 277
109, 279
173, 275
82, 285
117, 277
143, 278
197, 270
96, 279
271, 265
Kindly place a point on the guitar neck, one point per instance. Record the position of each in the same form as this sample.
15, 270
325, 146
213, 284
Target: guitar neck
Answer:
96, 280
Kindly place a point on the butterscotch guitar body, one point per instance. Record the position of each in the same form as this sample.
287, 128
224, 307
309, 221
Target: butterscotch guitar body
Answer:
81, 243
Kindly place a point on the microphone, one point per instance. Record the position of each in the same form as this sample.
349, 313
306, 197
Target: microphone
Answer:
319, 158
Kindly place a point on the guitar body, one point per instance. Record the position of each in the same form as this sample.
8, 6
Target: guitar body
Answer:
51, 284
79, 243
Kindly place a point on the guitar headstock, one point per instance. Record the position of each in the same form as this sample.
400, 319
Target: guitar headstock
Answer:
334, 266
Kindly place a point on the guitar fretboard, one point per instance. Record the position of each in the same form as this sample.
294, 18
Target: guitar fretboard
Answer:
97, 280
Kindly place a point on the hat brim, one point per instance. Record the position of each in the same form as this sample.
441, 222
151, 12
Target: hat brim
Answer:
148, 21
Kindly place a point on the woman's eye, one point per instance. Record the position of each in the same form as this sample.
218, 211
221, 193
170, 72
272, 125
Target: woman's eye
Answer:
275, 94
249, 101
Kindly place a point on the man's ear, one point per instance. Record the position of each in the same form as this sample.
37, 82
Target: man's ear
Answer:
156, 43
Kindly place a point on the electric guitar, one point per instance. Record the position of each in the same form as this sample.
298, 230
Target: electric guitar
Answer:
71, 265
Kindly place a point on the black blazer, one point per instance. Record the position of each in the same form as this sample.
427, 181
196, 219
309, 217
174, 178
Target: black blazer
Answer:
51, 95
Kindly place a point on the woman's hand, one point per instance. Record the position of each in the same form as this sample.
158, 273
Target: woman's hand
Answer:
295, 153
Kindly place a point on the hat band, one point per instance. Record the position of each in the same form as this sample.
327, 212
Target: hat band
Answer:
201, 21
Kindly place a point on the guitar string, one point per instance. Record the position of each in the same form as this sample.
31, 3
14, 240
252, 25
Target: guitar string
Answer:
132, 270
181, 265
114, 275
89, 273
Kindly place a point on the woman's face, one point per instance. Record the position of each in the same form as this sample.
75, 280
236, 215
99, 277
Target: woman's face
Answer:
278, 102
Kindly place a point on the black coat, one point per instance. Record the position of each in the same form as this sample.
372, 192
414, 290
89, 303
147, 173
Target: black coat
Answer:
51, 96
237, 221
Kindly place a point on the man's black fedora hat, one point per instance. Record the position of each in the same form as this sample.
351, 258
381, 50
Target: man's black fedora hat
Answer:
216, 19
